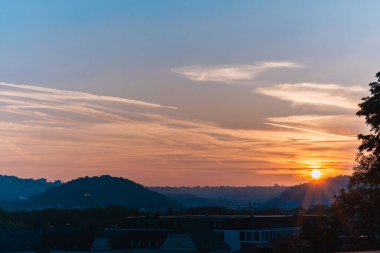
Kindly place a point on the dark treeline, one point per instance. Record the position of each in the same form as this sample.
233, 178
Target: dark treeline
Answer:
103, 217
77, 219
323, 233
98, 218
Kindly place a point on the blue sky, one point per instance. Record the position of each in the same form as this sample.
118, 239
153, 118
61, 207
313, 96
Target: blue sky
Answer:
50, 41
234, 65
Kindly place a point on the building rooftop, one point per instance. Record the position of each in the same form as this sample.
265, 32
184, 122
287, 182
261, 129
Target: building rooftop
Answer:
215, 222
212, 216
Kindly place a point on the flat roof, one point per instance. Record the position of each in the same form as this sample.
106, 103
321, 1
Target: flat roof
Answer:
212, 216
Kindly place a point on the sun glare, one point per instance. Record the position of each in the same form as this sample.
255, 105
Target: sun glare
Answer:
315, 174
314, 165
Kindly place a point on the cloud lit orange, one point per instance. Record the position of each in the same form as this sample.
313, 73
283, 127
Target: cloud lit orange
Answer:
63, 134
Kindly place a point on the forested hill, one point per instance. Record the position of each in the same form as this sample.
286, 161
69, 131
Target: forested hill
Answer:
95, 192
310, 194
12, 187
17, 193
227, 196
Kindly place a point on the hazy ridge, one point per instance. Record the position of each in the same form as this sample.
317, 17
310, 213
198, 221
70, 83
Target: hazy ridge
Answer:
227, 196
18, 194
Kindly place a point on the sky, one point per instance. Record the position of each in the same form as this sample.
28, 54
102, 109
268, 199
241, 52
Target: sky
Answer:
201, 92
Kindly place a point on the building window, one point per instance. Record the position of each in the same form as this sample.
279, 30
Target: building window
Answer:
248, 236
256, 236
242, 236
266, 236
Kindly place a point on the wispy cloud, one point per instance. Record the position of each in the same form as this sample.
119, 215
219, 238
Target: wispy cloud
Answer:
318, 133
347, 125
230, 73
50, 94
63, 134
316, 94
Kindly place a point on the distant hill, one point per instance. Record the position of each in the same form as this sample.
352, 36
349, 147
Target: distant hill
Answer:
191, 200
226, 196
12, 187
96, 192
17, 193
310, 194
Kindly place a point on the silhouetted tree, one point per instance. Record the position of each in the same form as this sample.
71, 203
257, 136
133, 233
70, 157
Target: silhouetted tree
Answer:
319, 234
361, 202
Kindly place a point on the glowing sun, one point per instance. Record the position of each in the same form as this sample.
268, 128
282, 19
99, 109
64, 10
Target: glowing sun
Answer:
315, 174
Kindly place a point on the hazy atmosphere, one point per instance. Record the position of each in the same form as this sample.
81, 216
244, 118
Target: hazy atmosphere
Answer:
184, 92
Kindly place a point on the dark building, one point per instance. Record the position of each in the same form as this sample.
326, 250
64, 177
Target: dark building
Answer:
218, 233
166, 234
175, 234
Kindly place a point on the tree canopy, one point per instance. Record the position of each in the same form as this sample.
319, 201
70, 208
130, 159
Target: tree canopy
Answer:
360, 204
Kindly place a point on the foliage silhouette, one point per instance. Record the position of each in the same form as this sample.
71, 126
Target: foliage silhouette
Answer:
358, 207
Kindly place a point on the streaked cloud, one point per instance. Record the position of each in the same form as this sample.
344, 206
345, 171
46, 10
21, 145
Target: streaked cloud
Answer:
63, 134
333, 124
230, 73
319, 133
319, 95
50, 94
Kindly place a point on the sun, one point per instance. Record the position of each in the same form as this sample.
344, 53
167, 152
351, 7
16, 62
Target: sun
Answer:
315, 174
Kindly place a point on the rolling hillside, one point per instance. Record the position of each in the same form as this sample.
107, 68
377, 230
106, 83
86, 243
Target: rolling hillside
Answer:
226, 196
12, 187
310, 194
96, 192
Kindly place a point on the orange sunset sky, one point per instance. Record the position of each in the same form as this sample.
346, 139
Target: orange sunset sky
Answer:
184, 92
